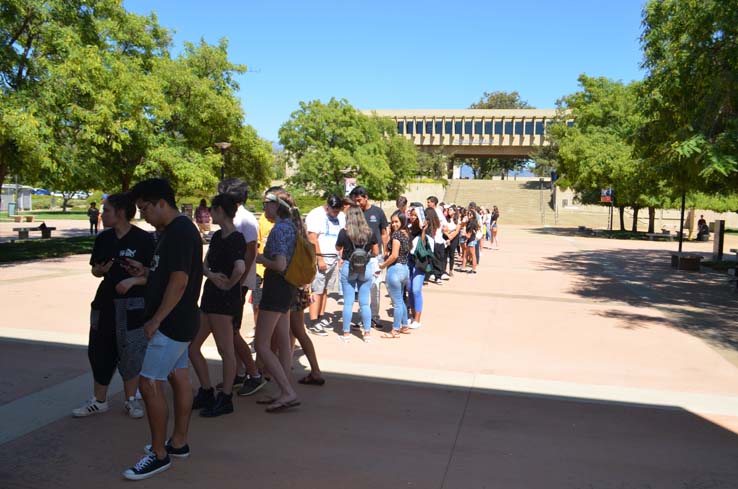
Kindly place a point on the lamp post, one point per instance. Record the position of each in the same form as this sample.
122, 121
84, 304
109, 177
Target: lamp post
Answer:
223, 147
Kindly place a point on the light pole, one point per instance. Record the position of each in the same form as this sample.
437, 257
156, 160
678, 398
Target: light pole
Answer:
223, 147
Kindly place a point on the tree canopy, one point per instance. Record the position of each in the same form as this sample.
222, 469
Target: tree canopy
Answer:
92, 98
331, 141
689, 94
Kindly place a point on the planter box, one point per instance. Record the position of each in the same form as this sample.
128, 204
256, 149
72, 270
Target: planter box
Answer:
29, 218
17, 218
686, 262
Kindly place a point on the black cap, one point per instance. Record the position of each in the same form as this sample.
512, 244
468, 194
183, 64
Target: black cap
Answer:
335, 202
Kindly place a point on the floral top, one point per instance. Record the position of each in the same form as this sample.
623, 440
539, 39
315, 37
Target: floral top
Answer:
404, 246
281, 240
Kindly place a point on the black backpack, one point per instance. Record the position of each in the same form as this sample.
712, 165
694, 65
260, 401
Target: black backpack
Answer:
358, 261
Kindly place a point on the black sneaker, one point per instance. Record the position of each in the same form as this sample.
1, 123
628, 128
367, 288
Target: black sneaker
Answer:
204, 398
237, 382
181, 452
317, 329
147, 467
223, 405
375, 324
252, 385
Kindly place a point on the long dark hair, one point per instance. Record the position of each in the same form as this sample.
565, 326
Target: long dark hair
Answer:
433, 222
403, 221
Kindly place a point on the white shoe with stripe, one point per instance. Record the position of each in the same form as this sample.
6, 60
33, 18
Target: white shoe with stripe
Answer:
92, 406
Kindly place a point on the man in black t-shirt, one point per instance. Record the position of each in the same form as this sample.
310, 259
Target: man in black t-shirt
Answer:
378, 223
172, 320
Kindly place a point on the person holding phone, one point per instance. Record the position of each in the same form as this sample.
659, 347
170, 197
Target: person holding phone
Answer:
116, 320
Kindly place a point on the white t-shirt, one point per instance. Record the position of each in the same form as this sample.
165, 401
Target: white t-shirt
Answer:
327, 228
246, 224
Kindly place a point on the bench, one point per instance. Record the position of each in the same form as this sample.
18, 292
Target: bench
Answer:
652, 236
45, 231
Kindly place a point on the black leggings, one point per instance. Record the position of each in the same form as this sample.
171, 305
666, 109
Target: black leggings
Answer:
451, 252
102, 348
93, 227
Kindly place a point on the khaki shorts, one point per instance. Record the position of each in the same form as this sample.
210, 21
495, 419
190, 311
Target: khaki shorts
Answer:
325, 281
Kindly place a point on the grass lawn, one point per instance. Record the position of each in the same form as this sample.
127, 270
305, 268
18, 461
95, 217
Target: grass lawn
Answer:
37, 249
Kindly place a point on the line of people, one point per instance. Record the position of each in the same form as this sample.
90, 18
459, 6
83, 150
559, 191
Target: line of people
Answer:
149, 321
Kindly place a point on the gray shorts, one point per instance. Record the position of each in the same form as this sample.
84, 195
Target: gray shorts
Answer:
257, 292
131, 343
325, 281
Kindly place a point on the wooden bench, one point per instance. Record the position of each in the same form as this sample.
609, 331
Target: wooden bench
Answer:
686, 261
45, 231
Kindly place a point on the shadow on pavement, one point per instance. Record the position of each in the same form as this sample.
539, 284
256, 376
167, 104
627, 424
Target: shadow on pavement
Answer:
362, 432
701, 303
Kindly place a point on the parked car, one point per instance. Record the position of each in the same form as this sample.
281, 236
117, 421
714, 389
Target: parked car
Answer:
40, 191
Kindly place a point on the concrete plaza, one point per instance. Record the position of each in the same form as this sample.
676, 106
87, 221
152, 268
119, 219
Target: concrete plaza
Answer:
566, 362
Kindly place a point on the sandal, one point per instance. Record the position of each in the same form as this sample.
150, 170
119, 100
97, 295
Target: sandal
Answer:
310, 380
405, 330
281, 406
266, 400
391, 336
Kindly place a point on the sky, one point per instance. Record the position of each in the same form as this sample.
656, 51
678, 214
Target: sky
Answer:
407, 55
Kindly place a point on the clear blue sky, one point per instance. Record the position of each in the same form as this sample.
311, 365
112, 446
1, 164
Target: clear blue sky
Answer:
398, 55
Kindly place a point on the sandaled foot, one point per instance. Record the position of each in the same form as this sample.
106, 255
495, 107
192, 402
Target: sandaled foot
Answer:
310, 380
282, 405
391, 336
405, 330
266, 400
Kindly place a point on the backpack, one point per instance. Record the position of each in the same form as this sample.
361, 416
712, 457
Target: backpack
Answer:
302, 268
423, 256
358, 261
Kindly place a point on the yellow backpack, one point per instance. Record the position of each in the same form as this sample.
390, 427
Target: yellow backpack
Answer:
302, 268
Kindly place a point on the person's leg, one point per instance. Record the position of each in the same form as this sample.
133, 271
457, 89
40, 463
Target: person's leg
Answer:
376, 292
365, 288
349, 293
473, 250
476, 254
102, 355
283, 339
182, 390
394, 287
157, 413
199, 364
265, 327
222, 328
417, 288
297, 327
243, 353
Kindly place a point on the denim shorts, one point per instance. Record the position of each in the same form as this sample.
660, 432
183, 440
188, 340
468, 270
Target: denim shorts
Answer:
163, 356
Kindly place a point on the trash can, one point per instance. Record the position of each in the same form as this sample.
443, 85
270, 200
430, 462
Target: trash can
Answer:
11, 209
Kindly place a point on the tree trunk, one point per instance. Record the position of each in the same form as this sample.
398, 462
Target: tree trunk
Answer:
651, 219
621, 210
635, 219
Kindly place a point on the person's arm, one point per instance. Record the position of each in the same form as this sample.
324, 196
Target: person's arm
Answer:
392, 257
238, 270
313, 238
385, 239
278, 264
100, 269
172, 295
249, 258
127, 283
375, 249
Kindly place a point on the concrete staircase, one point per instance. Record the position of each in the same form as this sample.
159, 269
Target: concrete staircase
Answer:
523, 202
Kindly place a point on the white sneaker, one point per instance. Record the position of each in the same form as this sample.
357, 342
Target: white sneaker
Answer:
92, 406
445, 276
414, 325
432, 278
134, 408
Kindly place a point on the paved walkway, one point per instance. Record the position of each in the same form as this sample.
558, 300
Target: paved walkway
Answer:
566, 362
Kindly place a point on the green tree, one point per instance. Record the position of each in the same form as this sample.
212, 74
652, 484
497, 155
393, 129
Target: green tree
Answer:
489, 167
433, 164
689, 94
597, 151
332, 141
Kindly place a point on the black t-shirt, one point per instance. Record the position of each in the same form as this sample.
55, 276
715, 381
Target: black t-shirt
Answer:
377, 221
136, 244
404, 246
344, 242
224, 252
179, 249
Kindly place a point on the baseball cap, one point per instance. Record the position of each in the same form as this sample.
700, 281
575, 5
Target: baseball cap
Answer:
335, 202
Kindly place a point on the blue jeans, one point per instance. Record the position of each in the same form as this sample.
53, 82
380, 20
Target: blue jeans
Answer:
350, 283
415, 294
397, 276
